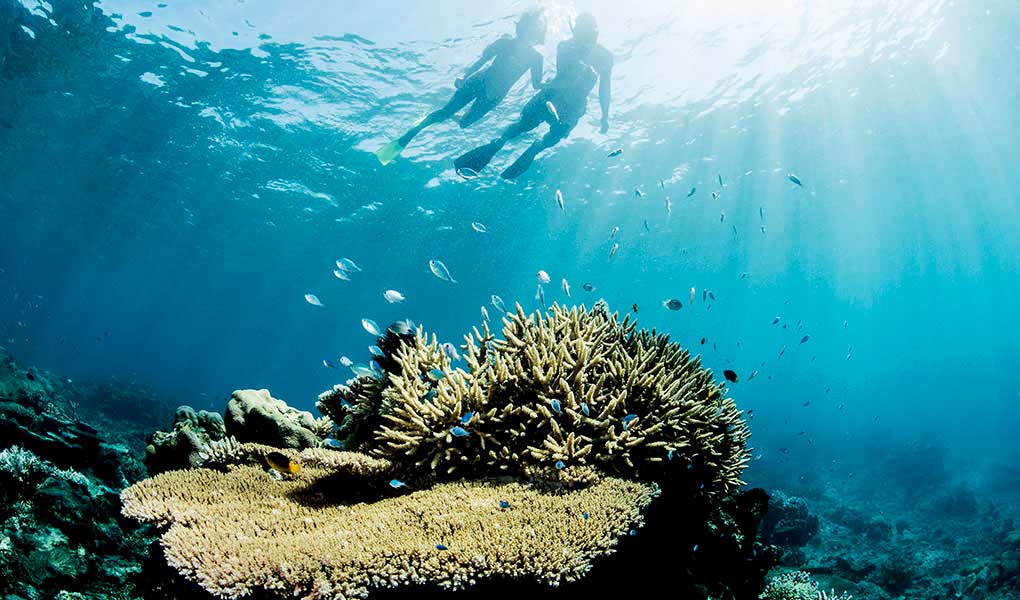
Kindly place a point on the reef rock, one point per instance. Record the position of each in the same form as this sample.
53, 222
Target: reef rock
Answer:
255, 416
182, 446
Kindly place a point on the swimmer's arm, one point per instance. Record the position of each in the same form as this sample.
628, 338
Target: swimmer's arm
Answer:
605, 90
487, 55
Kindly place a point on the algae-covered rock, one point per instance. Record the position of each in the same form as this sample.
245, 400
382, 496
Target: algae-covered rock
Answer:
182, 445
255, 416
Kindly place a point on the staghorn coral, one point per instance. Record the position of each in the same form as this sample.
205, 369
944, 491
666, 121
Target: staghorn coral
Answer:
792, 585
239, 532
573, 388
832, 595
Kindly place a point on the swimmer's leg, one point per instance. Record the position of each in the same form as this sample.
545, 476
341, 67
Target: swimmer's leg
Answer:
473, 161
555, 135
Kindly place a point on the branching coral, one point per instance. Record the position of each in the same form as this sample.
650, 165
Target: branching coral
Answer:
241, 531
571, 390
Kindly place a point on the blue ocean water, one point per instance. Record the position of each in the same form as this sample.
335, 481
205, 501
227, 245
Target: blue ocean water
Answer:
176, 176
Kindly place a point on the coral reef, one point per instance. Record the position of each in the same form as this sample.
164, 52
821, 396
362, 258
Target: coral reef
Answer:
560, 393
541, 457
61, 534
238, 531
255, 416
181, 447
790, 526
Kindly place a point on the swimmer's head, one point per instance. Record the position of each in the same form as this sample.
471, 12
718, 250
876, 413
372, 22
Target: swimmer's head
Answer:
531, 27
586, 30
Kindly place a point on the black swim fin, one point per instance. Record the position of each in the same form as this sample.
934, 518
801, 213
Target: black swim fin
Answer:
520, 165
473, 161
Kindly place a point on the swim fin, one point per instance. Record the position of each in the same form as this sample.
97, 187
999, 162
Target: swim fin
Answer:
520, 165
473, 161
389, 152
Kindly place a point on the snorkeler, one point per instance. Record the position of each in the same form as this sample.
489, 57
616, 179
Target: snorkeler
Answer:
580, 62
510, 58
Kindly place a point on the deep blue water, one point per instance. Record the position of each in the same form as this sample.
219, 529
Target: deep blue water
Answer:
174, 178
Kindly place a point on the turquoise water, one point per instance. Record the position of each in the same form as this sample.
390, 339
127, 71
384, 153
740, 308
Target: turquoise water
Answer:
175, 177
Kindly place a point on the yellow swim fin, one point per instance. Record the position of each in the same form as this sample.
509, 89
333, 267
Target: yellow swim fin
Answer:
389, 152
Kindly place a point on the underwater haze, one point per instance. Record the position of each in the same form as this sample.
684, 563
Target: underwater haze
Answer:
175, 177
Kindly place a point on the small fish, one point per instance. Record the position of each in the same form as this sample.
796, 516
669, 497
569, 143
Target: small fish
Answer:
401, 327
720, 180
479, 227
632, 532
805, 338
467, 172
711, 296
612, 233
346, 361
504, 504
703, 341
552, 110
439, 270
585, 515
540, 295
313, 300
556, 406
498, 304
669, 455
566, 287
614, 250
627, 419
715, 195
673, 304
559, 464
466, 417
638, 193
588, 287
542, 276
734, 230
459, 431
585, 409
375, 368
347, 264
782, 351
559, 200
281, 463
370, 326
691, 193
361, 370
485, 314
328, 363
730, 375
722, 216
397, 484
376, 351
704, 296
436, 374
695, 549
341, 274
669, 206
633, 307
451, 351
615, 153
647, 228
761, 213
691, 299
794, 179
776, 320
806, 404
441, 547
332, 443
393, 296
752, 376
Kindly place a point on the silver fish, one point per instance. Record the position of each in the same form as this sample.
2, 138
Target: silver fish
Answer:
559, 200
347, 264
439, 270
612, 232
794, 179
540, 295
370, 326
313, 300
479, 227
614, 250
341, 274
451, 351
497, 302
566, 287
638, 193
485, 314
552, 110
